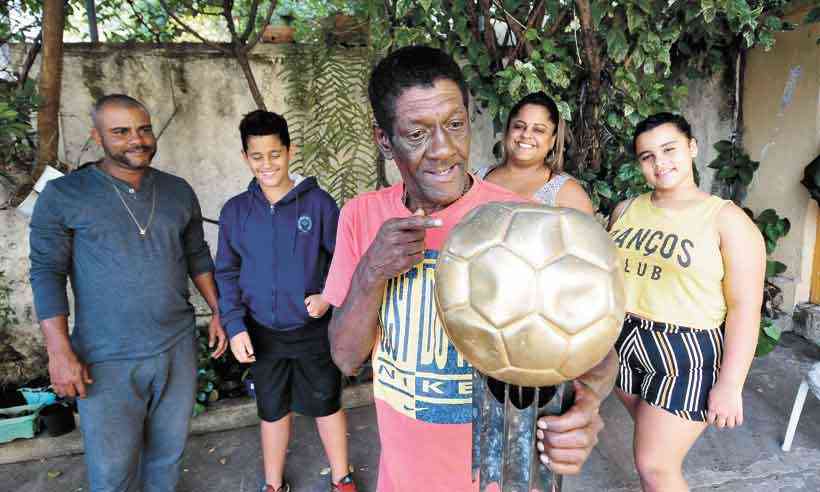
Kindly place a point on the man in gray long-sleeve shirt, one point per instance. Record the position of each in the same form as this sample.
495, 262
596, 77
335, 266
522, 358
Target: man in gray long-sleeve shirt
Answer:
128, 236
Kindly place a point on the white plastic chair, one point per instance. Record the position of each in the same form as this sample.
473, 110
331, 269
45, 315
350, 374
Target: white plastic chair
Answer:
810, 382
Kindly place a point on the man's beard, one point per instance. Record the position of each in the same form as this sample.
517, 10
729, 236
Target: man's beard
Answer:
123, 160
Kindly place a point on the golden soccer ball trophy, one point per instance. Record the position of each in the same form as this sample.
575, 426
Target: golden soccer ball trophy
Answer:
532, 296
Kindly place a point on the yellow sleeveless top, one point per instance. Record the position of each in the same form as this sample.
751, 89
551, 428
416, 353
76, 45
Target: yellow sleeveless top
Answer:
673, 268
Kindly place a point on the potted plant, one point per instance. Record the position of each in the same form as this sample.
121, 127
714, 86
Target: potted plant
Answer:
280, 30
19, 422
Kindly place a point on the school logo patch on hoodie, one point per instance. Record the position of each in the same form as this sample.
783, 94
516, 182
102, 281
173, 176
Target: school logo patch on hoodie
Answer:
304, 224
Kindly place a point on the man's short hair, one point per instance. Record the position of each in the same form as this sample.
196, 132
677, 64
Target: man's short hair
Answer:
411, 66
259, 123
120, 100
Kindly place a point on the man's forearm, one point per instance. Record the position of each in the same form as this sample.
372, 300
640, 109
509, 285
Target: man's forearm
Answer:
55, 333
601, 378
206, 286
354, 328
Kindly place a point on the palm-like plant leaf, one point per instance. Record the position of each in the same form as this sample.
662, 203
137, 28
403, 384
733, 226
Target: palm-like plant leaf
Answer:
330, 119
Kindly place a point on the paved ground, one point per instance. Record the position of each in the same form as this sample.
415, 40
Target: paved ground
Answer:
748, 459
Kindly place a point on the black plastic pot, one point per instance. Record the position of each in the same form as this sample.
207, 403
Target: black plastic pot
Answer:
58, 419
11, 398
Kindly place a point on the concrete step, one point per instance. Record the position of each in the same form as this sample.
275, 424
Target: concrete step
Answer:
222, 415
807, 321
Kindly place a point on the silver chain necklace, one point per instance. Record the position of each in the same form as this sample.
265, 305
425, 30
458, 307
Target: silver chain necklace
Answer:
143, 230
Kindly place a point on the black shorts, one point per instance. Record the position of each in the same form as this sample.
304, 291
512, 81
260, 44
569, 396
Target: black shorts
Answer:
310, 385
669, 366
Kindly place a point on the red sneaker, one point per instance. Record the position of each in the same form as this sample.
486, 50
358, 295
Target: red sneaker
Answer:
346, 484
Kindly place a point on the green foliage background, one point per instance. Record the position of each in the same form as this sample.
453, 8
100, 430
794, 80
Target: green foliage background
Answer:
608, 64
329, 117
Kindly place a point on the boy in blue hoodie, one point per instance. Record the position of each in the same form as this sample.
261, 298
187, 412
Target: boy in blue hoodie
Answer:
276, 241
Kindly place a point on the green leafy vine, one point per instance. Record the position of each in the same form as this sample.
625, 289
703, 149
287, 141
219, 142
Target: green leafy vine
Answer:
329, 118
735, 170
607, 64
773, 227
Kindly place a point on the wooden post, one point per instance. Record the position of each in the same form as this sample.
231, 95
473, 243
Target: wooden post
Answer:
50, 81
814, 293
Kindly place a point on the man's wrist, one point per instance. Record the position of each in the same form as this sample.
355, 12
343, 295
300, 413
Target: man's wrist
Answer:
213, 304
369, 277
55, 336
58, 348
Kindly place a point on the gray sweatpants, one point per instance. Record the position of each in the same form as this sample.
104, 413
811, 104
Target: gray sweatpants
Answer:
135, 420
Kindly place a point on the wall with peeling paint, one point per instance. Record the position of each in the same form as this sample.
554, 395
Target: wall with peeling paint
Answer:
781, 107
197, 97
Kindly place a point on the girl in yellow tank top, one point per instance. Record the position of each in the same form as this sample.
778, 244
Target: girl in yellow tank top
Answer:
672, 262
693, 268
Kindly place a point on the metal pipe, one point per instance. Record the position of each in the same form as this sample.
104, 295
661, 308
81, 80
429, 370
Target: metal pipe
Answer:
91, 12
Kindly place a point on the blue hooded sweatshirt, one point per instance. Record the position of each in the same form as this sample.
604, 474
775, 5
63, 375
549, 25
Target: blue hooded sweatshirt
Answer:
272, 256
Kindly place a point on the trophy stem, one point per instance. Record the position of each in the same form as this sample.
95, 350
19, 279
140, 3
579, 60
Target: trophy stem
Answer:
504, 434
480, 409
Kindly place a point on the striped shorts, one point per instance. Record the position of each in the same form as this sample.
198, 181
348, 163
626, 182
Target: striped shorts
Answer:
669, 366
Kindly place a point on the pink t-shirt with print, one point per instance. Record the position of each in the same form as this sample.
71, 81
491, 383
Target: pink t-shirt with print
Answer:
422, 385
